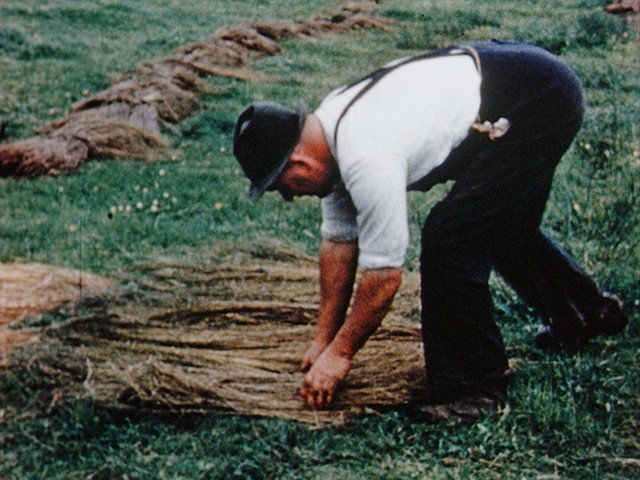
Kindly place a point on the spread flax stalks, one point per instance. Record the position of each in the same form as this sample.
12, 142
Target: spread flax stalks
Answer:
223, 333
125, 120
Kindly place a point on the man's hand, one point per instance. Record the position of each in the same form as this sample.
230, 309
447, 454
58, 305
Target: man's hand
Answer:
323, 378
315, 350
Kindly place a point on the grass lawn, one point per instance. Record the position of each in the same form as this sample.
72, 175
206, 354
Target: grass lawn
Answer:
568, 416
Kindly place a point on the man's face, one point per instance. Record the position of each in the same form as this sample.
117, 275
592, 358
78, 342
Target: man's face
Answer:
286, 186
304, 178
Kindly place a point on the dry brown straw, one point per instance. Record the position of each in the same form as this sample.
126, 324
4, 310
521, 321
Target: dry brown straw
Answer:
225, 333
28, 290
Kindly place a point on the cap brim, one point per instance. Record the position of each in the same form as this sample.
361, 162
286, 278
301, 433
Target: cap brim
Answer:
257, 190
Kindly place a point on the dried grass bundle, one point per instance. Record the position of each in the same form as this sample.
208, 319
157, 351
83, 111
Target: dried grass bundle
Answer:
115, 129
221, 52
250, 39
174, 70
229, 336
42, 156
120, 139
141, 116
27, 290
241, 358
352, 16
171, 102
623, 6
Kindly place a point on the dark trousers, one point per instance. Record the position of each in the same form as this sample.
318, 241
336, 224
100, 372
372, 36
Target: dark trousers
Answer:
491, 217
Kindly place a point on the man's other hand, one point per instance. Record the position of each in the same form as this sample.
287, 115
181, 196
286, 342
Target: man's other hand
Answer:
315, 350
323, 379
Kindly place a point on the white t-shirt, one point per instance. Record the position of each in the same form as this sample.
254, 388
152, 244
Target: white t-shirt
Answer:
394, 135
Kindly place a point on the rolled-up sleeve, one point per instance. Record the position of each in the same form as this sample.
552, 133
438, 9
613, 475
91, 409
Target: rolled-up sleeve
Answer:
339, 216
371, 207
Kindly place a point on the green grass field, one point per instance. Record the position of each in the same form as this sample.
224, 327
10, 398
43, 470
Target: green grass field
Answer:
568, 416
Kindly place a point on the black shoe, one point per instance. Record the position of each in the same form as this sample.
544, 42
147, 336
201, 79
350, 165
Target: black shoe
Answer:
611, 319
464, 403
466, 410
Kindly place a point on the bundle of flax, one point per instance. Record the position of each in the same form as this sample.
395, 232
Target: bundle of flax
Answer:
623, 6
125, 119
225, 336
28, 289
31, 289
239, 358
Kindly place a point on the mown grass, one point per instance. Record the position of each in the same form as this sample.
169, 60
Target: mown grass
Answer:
568, 416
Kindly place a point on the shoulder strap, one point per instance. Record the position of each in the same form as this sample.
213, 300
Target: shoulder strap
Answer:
377, 75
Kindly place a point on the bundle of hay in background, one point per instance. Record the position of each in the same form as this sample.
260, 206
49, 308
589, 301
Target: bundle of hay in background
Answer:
125, 119
623, 6
33, 288
27, 290
225, 333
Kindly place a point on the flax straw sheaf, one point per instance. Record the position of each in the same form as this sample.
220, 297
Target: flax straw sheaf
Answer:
125, 119
225, 336
31, 289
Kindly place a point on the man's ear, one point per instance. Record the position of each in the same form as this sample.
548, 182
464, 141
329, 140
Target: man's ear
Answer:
300, 159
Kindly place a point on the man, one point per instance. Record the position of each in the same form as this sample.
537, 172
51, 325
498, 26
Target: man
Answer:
496, 117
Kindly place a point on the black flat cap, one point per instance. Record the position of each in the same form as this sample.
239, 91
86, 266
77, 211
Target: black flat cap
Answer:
265, 135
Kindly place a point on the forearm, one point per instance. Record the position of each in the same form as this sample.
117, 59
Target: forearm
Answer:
373, 299
338, 263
